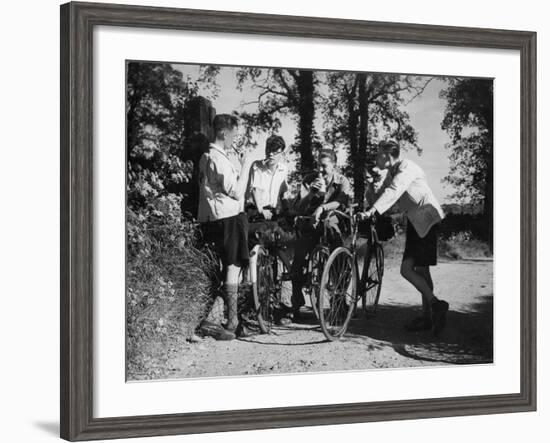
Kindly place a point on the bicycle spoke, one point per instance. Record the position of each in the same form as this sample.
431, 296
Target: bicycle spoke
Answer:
339, 293
265, 287
374, 273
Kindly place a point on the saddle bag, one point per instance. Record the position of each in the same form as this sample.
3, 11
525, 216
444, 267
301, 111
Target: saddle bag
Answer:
384, 227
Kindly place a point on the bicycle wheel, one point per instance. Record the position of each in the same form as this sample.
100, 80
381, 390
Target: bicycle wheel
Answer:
337, 293
263, 288
373, 272
282, 282
316, 264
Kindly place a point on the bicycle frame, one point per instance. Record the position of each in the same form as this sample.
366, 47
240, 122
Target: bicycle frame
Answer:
323, 242
372, 240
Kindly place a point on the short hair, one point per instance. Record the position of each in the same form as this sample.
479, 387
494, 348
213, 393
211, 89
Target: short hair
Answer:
390, 147
223, 122
275, 143
327, 153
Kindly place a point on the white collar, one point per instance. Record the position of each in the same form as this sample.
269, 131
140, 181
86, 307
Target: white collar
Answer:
280, 166
219, 149
393, 168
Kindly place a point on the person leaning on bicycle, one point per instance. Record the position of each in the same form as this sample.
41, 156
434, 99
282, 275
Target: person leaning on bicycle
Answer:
406, 185
320, 193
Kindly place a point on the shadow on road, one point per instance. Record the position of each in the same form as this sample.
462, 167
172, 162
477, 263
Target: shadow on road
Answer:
466, 339
284, 335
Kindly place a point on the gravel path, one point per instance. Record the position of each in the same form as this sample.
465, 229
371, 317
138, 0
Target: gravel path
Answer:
379, 342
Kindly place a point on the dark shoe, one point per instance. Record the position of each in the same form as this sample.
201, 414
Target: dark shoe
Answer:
225, 335
297, 316
283, 321
419, 324
439, 316
218, 332
207, 328
242, 331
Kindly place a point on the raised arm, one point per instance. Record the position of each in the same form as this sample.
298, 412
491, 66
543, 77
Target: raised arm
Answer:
283, 191
233, 185
304, 198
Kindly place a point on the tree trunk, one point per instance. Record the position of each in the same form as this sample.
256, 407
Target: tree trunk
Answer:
132, 121
361, 157
488, 204
306, 114
488, 197
353, 122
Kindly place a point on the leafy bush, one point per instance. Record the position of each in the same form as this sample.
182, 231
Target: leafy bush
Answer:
477, 225
169, 283
462, 245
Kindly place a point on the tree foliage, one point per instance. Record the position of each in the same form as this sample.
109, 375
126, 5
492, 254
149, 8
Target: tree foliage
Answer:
469, 121
156, 98
169, 279
283, 92
360, 109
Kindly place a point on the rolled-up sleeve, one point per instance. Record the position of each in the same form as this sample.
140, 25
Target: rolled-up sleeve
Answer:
253, 177
393, 189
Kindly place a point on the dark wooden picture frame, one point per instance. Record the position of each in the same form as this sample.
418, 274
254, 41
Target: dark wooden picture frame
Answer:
77, 23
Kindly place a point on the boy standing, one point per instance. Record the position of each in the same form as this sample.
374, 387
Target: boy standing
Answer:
222, 188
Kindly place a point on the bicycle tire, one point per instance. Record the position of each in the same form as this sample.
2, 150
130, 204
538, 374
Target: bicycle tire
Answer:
283, 282
262, 289
337, 295
374, 267
316, 265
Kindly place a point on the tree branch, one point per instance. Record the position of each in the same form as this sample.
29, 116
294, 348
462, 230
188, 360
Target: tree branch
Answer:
420, 90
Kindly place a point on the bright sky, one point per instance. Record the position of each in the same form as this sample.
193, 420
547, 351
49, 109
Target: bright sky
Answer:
426, 113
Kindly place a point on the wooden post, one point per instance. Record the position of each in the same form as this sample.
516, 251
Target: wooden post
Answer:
199, 116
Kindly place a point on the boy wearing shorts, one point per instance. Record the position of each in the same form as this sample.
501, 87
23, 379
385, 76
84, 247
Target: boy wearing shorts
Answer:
222, 187
406, 185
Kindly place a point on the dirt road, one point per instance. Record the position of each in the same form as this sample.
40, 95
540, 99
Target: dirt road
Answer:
379, 342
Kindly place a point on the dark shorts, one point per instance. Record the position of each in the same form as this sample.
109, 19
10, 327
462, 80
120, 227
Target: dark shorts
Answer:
422, 250
230, 239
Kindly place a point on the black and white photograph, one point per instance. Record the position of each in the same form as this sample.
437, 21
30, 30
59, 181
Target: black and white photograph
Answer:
243, 222
285, 220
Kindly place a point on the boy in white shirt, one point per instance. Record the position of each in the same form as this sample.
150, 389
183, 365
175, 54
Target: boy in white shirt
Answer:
222, 189
406, 185
268, 185
267, 189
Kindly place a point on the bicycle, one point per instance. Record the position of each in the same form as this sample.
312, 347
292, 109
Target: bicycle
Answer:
340, 285
269, 270
270, 266
316, 260
253, 304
